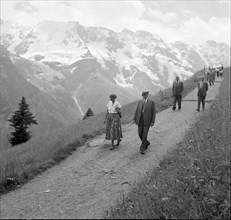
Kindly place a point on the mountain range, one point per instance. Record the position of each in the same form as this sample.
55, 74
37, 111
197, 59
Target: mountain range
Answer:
63, 68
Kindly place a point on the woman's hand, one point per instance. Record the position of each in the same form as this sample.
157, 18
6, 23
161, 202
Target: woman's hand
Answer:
118, 109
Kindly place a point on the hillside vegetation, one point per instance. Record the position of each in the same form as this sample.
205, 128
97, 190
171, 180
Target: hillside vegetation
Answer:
22, 162
193, 182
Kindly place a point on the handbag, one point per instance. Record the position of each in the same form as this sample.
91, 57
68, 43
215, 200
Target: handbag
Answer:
119, 112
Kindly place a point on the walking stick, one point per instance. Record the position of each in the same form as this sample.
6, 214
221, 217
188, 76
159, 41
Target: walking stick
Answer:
128, 127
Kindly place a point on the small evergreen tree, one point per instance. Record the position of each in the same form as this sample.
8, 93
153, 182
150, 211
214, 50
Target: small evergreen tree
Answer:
21, 120
89, 113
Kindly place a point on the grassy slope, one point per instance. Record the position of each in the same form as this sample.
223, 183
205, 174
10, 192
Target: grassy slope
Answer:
21, 163
193, 182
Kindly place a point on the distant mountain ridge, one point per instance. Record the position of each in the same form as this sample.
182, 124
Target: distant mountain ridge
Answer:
77, 67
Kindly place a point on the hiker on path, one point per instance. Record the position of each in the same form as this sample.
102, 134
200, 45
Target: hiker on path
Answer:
221, 71
202, 90
217, 72
212, 76
177, 90
112, 120
208, 73
144, 117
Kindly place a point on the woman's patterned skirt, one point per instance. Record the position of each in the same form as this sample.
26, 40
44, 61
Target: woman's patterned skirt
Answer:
113, 127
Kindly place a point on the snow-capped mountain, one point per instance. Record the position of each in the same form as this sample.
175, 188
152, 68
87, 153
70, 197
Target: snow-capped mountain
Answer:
215, 53
80, 66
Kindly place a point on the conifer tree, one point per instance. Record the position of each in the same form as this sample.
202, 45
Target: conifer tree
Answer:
21, 120
89, 113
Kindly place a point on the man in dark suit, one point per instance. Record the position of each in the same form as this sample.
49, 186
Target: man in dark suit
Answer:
144, 117
212, 76
221, 71
208, 73
202, 91
177, 90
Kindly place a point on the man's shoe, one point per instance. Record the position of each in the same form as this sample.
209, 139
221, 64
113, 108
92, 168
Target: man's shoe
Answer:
198, 109
146, 145
173, 108
142, 152
179, 108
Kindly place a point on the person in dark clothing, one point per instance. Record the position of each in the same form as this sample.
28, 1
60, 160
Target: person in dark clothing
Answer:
144, 117
221, 71
177, 91
217, 71
212, 76
208, 73
202, 91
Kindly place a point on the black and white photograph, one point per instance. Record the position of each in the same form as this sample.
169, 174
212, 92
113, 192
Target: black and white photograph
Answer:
115, 109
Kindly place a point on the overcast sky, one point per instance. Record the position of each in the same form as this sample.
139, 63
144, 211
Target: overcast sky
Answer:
191, 21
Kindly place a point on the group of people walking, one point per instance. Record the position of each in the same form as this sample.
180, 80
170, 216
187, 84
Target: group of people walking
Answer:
212, 72
178, 88
145, 112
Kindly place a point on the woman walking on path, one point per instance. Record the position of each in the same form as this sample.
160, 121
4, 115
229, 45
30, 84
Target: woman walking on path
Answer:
112, 120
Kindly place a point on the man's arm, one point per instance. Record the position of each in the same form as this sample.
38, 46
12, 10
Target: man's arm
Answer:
153, 113
135, 115
182, 88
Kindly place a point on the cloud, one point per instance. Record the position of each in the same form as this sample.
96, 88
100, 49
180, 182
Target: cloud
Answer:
109, 14
167, 17
188, 13
184, 25
88, 13
25, 6
224, 2
21, 12
196, 30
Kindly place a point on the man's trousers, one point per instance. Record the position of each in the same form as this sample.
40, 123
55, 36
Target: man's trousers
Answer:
201, 99
143, 133
177, 98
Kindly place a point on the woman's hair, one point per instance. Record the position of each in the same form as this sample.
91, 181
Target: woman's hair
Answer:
113, 96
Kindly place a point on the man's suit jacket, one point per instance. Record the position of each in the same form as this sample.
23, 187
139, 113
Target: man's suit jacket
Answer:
177, 88
212, 75
149, 112
202, 91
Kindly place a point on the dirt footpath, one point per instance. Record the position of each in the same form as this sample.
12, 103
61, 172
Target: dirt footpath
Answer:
91, 180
